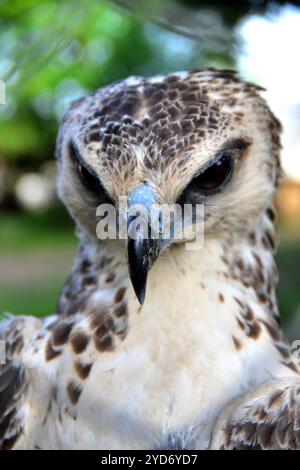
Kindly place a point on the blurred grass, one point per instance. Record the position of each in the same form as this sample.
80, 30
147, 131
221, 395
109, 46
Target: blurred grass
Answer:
288, 262
49, 240
22, 231
36, 252
39, 299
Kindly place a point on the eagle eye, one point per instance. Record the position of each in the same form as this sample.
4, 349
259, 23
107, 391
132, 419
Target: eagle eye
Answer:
87, 178
216, 175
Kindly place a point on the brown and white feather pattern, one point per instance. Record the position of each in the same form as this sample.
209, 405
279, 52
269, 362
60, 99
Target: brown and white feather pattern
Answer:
106, 373
265, 418
15, 380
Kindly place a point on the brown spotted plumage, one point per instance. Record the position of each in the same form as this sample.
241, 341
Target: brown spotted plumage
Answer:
197, 360
265, 418
79, 341
74, 392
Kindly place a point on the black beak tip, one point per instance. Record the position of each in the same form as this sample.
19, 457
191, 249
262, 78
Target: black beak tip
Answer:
139, 281
138, 268
141, 296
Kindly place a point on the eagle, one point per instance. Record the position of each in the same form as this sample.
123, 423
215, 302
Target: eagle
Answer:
154, 345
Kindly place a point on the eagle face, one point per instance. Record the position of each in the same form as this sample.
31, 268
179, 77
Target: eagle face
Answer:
191, 138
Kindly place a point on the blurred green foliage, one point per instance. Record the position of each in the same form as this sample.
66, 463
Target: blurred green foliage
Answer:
52, 52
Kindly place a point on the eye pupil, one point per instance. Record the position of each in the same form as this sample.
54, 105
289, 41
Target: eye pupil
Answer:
216, 175
89, 180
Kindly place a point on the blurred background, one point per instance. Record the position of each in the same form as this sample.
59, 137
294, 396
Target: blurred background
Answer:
52, 52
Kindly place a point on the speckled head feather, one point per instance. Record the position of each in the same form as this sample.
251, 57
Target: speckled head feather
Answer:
163, 130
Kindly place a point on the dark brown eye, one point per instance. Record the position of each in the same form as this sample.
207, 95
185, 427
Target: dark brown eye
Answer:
88, 179
216, 175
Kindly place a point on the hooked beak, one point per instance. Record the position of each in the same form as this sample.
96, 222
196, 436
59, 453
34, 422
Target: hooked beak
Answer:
142, 253
142, 249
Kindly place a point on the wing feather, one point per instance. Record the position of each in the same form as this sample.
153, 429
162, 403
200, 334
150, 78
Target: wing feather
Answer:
13, 379
267, 417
